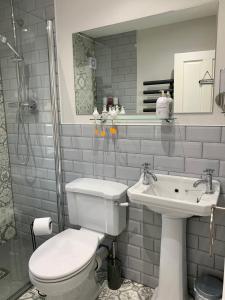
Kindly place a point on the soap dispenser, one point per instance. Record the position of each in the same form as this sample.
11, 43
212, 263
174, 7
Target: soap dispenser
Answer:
113, 113
104, 113
162, 107
95, 113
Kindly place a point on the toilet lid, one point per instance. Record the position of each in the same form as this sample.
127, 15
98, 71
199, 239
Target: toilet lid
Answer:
63, 255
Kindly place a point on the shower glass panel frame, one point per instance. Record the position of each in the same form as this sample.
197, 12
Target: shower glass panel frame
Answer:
30, 143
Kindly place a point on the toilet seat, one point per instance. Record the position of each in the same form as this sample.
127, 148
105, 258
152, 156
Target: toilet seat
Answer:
63, 256
65, 278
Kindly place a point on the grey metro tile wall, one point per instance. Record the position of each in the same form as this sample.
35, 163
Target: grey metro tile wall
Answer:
33, 186
118, 160
177, 150
203, 134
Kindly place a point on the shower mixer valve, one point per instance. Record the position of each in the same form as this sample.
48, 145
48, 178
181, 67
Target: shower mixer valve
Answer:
31, 106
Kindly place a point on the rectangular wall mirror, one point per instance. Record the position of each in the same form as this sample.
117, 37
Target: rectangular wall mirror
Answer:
129, 64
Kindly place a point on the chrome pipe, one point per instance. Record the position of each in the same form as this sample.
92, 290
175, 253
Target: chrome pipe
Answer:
13, 22
211, 231
212, 227
56, 126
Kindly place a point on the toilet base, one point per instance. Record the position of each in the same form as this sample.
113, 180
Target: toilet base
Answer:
88, 290
84, 286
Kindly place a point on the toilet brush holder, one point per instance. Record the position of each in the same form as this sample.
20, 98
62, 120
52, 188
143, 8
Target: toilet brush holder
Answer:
114, 270
114, 274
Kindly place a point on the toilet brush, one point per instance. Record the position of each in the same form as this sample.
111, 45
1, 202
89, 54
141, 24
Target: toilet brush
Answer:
114, 269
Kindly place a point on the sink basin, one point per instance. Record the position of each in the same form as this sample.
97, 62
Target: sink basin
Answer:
175, 196
176, 199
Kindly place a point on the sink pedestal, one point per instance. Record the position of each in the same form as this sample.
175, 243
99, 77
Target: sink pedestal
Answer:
173, 267
175, 199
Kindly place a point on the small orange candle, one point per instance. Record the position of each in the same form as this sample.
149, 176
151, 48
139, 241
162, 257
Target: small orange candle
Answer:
113, 130
96, 132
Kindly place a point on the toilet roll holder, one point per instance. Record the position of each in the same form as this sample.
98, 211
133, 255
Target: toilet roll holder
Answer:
34, 233
34, 245
33, 238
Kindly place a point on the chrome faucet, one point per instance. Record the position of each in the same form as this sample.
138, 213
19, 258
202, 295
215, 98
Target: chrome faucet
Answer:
147, 173
207, 181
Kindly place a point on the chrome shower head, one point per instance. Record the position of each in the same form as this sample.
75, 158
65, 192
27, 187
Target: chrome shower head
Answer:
3, 39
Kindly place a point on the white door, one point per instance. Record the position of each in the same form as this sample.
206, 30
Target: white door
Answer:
189, 68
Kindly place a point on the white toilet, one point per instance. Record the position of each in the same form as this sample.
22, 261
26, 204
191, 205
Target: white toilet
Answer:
64, 266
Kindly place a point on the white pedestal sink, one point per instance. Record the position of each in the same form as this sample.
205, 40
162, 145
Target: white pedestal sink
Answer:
175, 198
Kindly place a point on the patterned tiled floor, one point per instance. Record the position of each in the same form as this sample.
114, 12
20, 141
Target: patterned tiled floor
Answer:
128, 291
14, 259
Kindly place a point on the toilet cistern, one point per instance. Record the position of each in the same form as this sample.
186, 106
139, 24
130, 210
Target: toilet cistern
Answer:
147, 173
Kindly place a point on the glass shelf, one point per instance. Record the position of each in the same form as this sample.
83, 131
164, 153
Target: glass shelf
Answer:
130, 118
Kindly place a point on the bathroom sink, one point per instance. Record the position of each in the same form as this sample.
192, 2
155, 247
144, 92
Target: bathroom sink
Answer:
175, 196
176, 199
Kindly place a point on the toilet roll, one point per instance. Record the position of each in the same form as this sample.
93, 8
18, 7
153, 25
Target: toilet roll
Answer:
42, 226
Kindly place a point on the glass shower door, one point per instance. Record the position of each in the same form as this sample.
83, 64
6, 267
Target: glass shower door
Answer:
27, 165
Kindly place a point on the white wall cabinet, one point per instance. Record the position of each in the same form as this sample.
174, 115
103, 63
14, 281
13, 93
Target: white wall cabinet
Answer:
190, 96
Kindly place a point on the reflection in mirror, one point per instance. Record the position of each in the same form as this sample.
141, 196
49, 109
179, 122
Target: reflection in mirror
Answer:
105, 72
130, 69
85, 73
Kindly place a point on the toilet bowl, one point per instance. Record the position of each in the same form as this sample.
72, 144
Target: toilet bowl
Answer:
62, 266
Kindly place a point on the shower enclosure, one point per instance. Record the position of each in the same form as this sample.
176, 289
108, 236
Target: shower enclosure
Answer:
30, 187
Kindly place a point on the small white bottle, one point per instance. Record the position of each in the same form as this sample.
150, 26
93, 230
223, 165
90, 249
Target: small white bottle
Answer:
110, 110
162, 107
104, 113
122, 111
117, 109
96, 113
113, 113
